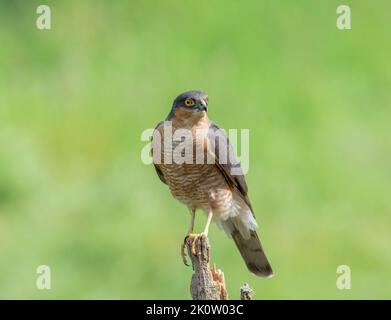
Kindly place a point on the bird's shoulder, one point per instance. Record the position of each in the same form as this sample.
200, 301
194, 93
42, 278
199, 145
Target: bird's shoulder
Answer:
159, 126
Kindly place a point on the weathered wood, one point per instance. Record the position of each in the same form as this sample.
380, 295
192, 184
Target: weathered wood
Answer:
209, 283
206, 283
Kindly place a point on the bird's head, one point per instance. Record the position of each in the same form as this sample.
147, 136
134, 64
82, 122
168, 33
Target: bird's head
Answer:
191, 105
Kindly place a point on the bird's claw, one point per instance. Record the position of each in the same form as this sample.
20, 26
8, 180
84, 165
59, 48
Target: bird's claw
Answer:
191, 238
183, 253
195, 238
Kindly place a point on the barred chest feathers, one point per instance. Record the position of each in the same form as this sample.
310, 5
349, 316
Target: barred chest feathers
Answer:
196, 183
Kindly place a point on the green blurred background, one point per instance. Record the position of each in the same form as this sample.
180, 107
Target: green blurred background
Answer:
74, 100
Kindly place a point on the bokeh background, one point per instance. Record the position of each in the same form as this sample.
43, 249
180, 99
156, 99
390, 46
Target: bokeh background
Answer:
75, 195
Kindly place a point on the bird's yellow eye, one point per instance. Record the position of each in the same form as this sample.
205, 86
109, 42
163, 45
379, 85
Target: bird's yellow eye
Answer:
189, 102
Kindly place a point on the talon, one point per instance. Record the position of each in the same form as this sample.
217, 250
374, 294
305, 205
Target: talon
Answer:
193, 245
191, 238
183, 253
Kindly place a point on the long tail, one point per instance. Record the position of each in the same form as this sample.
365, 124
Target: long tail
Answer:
249, 246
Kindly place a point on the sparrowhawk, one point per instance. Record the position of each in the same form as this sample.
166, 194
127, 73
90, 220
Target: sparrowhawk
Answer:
207, 185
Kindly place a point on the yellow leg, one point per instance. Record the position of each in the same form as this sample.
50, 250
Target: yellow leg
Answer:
192, 237
191, 226
190, 232
210, 216
203, 234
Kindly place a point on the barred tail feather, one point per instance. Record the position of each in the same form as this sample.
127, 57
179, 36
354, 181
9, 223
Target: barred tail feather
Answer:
249, 245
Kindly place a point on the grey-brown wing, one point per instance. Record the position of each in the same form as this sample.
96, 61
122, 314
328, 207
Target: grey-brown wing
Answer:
158, 171
227, 162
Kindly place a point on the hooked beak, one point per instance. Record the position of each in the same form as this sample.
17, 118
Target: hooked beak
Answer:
202, 105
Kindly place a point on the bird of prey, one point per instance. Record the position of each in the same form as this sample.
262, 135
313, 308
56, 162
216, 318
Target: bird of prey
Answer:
208, 185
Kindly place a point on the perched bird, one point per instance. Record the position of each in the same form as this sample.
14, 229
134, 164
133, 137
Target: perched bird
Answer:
207, 185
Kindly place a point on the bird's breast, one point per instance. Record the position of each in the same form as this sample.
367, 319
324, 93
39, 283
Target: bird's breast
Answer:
191, 179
